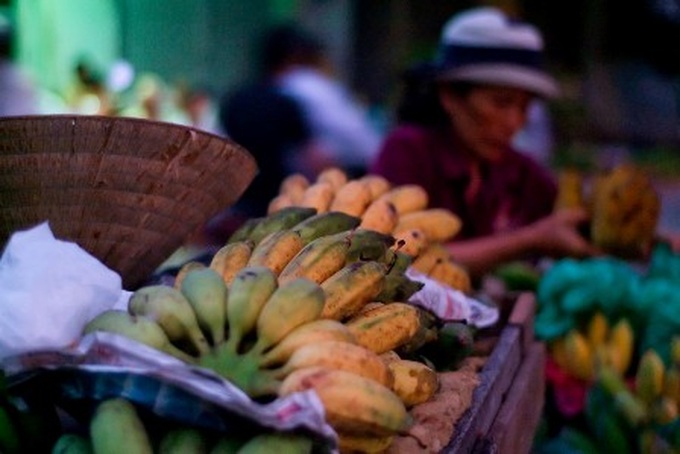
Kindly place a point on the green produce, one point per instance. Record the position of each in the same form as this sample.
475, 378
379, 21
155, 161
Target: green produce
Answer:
116, 428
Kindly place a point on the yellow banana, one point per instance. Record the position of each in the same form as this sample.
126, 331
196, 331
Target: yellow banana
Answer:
279, 202
184, 269
428, 258
116, 427
291, 305
356, 444
168, 307
334, 176
411, 241
352, 198
338, 355
318, 196
407, 198
377, 184
319, 259
323, 224
281, 220
276, 250
620, 345
374, 408
294, 186
649, 377
414, 382
579, 357
438, 224
353, 286
381, 216
390, 356
597, 330
207, 294
385, 328
231, 257
452, 274
315, 331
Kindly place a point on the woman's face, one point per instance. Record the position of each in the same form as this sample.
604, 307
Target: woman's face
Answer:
486, 117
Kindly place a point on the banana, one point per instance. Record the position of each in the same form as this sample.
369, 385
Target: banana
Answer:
381, 216
452, 274
10, 438
208, 295
279, 202
430, 256
184, 269
294, 186
356, 444
183, 440
70, 443
243, 232
334, 176
352, 198
377, 184
231, 258
280, 442
414, 382
374, 408
229, 443
438, 224
570, 189
386, 327
276, 250
579, 357
620, 345
411, 241
338, 355
315, 331
675, 350
649, 377
291, 305
322, 224
671, 384
318, 196
116, 427
168, 307
140, 329
597, 330
368, 244
407, 198
353, 286
249, 292
281, 220
398, 288
319, 259
390, 356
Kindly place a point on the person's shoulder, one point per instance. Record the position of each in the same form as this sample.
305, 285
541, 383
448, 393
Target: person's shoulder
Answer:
411, 132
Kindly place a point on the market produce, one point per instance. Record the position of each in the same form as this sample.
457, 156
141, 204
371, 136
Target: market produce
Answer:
413, 381
323, 224
407, 198
352, 287
117, 427
357, 444
207, 294
386, 327
276, 250
183, 440
280, 220
319, 259
230, 258
283, 443
72, 443
352, 198
381, 215
438, 224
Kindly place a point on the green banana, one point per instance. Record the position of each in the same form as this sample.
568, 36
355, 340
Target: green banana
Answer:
72, 443
116, 427
244, 231
10, 438
283, 219
183, 440
229, 444
168, 307
140, 329
319, 259
208, 296
399, 288
649, 377
367, 244
279, 442
323, 224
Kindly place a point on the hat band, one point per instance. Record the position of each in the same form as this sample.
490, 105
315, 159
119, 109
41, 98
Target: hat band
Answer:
453, 56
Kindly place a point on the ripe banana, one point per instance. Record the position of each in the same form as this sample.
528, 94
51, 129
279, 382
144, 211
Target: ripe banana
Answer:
116, 427
319, 259
231, 257
597, 330
322, 224
350, 288
207, 294
452, 274
183, 440
184, 269
438, 224
356, 444
671, 384
318, 196
385, 328
407, 198
373, 409
291, 305
334, 176
352, 198
381, 216
579, 357
338, 355
249, 292
414, 382
430, 256
281, 220
140, 329
279, 202
315, 331
168, 307
411, 241
276, 250
294, 186
377, 184
649, 377
620, 345
281, 442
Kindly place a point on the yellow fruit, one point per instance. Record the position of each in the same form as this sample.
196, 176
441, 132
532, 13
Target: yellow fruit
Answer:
570, 189
598, 330
280, 202
352, 287
407, 198
377, 184
231, 258
414, 382
354, 444
352, 198
276, 250
318, 196
620, 345
381, 216
649, 377
579, 357
452, 274
334, 176
319, 259
438, 224
183, 270
411, 241
293, 186
427, 259
387, 327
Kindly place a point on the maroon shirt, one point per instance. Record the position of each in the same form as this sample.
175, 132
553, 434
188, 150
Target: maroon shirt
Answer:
514, 191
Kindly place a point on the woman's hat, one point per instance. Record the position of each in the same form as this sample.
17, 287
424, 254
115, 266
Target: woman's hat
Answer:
486, 46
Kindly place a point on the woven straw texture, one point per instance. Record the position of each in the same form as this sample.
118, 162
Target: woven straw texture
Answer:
127, 190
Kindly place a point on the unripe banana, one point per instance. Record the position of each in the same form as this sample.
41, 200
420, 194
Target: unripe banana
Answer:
294, 186
352, 198
649, 377
407, 198
116, 427
381, 216
398, 288
243, 232
579, 357
168, 307
620, 345
374, 408
452, 274
438, 224
183, 440
411, 241
319, 259
184, 269
385, 328
140, 329
207, 294
279, 202
231, 258
279, 442
338, 355
315, 331
414, 382
430, 256
377, 184
276, 250
10, 437
356, 444
249, 292
68, 443
334, 176
291, 305
353, 286
366, 244
281, 220
323, 224
318, 196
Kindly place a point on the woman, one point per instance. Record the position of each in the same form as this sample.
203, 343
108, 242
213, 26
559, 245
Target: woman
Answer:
486, 75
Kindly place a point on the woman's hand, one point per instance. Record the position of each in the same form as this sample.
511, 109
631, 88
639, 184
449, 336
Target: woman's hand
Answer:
558, 235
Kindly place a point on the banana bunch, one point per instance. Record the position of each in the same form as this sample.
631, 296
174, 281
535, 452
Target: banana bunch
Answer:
657, 385
583, 351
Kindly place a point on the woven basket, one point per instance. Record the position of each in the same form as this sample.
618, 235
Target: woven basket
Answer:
129, 191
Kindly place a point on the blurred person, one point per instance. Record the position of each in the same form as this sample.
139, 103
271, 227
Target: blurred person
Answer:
18, 94
456, 140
